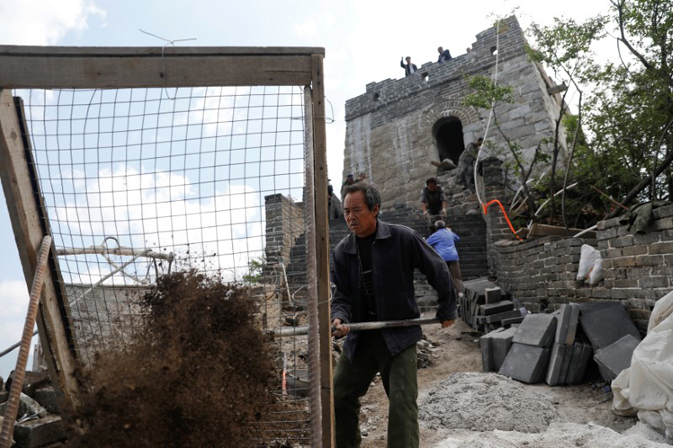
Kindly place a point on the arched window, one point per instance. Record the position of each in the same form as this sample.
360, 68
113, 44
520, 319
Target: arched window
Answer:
448, 133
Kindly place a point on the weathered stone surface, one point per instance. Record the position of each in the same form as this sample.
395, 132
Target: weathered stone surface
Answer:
47, 398
40, 432
27, 406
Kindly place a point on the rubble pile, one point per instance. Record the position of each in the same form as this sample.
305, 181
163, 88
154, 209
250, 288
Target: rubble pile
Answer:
37, 421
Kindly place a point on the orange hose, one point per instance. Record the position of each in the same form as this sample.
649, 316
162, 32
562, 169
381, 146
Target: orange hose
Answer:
509, 223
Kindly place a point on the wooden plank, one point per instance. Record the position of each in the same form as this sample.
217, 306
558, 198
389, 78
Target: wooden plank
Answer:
540, 230
51, 51
73, 67
322, 250
29, 223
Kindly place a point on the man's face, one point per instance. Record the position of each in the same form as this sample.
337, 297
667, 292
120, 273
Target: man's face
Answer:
432, 186
359, 218
408, 60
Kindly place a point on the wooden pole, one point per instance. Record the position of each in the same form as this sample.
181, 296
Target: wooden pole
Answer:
322, 249
30, 223
362, 326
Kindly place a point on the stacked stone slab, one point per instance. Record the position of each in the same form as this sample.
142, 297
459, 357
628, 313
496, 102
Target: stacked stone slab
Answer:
527, 358
494, 348
484, 305
613, 336
569, 357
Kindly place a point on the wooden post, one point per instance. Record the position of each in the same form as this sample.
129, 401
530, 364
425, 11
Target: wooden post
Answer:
30, 224
322, 250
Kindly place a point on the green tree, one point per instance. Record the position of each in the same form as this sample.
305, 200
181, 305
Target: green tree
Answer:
628, 110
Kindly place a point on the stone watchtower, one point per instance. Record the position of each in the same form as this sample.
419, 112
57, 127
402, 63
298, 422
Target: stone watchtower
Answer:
399, 126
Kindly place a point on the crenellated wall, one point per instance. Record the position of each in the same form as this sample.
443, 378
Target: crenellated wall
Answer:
390, 133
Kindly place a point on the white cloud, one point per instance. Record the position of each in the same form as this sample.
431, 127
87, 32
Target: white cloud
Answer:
44, 22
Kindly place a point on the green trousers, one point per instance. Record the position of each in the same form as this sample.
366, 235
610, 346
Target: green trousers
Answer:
352, 380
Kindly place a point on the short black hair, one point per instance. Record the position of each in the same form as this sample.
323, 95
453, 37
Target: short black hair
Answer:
431, 180
480, 140
371, 193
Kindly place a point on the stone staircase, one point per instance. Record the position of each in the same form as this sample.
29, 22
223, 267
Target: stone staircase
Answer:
472, 247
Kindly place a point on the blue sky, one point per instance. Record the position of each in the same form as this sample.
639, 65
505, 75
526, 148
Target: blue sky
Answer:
364, 40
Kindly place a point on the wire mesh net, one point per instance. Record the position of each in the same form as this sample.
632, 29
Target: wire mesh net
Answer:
140, 182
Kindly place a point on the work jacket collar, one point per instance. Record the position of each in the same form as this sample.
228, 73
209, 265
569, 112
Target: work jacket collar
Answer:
382, 232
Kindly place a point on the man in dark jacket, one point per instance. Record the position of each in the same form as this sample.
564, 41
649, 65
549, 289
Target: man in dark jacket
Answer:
373, 271
444, 55
409, 68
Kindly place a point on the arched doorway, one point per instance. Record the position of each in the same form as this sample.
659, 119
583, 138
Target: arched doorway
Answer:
448, 133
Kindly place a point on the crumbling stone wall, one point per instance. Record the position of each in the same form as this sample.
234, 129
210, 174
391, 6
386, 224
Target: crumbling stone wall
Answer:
104, 318
284, 224
390, 133
637, 269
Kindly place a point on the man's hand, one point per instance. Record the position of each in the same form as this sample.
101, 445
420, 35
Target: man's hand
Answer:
340, 330
443, 213
446, 323
425, 213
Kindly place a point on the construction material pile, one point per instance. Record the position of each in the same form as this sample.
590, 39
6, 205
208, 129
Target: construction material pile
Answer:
558, 347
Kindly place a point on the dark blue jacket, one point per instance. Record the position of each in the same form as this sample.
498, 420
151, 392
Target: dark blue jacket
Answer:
396, 252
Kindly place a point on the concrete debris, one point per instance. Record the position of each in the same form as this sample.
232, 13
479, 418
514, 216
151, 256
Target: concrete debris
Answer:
27, 406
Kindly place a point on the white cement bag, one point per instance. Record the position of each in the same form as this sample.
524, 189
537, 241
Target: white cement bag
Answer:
646, 388
591, 265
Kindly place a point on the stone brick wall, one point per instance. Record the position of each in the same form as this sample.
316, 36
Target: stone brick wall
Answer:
389, 132
284, 224
637, 269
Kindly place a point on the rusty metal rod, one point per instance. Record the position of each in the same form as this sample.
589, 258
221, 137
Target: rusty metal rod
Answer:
299, 331
22, 361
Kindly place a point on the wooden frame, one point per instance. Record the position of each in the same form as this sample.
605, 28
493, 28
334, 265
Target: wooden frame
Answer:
151, 67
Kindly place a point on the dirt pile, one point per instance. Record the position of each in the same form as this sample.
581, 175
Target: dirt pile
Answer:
484, 402
198, 374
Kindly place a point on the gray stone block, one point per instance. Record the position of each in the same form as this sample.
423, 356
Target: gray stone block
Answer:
554, 367
496, 318
495, 308
605, 326
537, 330
501, 342
616, 357
47, 399
525, 363
572, 325
563, 322
565, 364
511, 321
486, 345
493, 295
40, 432
574, 376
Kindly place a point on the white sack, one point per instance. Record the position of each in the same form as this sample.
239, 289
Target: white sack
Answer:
591, 265
646, 388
